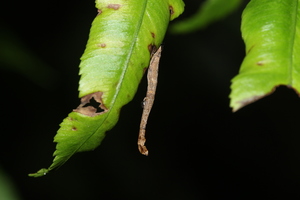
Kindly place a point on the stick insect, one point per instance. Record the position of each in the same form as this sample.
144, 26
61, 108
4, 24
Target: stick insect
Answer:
149, 99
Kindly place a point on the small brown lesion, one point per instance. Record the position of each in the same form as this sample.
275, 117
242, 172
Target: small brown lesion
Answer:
74, 128
260, 63
91, 105
114, 6
152, 49
99, 12
102, 45
171, 10
153, 35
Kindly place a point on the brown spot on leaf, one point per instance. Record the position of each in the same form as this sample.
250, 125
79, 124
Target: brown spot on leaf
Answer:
74, 129
102, 45
91, 105
150, 47
153, 34
99, 12
114, 6
260, 63
171, 10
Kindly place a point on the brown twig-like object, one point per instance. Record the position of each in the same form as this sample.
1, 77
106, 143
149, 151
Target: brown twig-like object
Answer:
149, 99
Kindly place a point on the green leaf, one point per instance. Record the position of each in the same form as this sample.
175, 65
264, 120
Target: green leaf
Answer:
122, 37
270, 30
209, 12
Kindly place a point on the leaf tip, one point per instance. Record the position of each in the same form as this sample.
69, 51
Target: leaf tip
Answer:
236, 105
41, 172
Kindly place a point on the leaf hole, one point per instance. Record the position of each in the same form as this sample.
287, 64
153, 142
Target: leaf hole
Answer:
95, 104
91, 105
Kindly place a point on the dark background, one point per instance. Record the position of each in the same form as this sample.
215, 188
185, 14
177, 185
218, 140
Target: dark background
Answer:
198, 148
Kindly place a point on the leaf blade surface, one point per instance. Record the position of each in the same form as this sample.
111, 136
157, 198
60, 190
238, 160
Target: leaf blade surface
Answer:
122, 37
270, 30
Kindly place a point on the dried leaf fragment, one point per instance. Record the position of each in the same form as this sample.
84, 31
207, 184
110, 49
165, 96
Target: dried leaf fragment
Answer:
149, 99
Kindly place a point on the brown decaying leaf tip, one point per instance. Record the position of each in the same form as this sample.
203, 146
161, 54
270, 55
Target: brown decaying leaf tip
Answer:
90, 110
149, 99
114, 6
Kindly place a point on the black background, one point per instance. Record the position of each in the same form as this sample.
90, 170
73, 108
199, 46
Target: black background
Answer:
198, 148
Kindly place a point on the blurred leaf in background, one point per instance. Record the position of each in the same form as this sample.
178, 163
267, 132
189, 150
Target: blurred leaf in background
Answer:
7, 188
209, 12
17, 57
